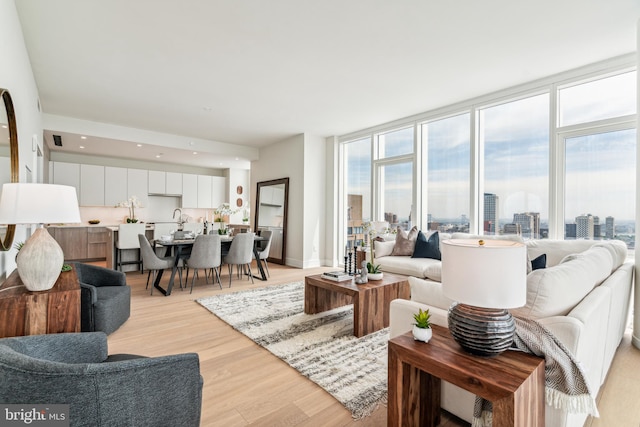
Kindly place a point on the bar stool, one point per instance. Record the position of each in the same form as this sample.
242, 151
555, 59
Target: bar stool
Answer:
128, 239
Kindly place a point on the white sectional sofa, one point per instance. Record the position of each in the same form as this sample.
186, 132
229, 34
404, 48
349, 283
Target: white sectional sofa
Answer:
582, 297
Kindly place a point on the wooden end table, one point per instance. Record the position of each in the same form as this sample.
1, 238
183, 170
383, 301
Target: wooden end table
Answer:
370, 300
513, 381
23, 312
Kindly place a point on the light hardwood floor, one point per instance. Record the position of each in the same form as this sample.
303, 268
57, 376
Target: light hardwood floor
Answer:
244, 384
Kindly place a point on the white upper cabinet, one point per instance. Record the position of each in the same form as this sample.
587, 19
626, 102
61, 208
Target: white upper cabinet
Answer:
67, 174
173, 184
137, 185
157, 182
218, 188
204, 191
189, 191
91, 185
115, 185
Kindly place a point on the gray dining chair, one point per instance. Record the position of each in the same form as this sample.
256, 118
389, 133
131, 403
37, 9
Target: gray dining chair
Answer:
265, 247
240, 254
153, 262
206, 255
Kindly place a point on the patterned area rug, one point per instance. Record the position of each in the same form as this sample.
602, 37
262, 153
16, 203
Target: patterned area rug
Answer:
320, 346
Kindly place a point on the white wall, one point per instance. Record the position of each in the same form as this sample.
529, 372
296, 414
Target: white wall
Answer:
16, 75
285, 159
235, 178
314, 201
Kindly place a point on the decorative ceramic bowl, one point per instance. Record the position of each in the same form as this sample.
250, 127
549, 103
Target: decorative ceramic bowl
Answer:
374, 276
94, 221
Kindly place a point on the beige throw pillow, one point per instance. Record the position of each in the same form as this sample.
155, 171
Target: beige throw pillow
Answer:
405, 242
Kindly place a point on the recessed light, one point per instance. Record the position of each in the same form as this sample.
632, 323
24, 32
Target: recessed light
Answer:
4, 126
83, 137
195, 152
138, 145
159, 155
82, 147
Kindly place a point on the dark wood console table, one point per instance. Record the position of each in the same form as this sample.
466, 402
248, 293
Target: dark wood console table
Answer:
512, 381
23, 312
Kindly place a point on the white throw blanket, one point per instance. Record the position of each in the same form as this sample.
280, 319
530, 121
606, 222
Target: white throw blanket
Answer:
565, 383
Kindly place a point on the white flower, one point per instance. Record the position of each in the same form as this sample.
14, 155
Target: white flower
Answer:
224, 210
132, 202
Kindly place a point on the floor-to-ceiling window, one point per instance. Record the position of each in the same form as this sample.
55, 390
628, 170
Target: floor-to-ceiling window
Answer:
448, 156
357, 183
514, 146
554, 159
394, 177
597, 139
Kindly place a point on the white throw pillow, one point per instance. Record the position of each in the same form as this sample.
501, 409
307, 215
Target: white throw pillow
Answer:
383, 248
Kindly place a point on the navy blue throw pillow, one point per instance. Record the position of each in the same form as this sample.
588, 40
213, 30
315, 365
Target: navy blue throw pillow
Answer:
539, 262
427, 248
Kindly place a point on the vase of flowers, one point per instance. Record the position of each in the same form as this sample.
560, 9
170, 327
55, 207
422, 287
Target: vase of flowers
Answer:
131, 203
222, 213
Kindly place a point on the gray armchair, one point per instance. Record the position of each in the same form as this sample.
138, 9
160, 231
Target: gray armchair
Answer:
105, 298
101, 390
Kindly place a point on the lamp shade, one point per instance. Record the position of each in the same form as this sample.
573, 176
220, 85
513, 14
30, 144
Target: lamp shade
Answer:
485, 273
22, 203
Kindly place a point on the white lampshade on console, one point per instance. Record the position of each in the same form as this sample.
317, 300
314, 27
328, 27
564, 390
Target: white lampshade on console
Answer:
484, 278
40, 260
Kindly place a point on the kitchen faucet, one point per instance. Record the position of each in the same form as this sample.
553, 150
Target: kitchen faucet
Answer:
180, 222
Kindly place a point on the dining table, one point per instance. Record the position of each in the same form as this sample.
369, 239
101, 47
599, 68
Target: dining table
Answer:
180, 247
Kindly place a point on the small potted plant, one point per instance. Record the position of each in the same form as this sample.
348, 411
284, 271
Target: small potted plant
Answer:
374, 272
422, 326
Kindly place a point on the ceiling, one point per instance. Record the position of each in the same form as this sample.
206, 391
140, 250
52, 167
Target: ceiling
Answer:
228, 75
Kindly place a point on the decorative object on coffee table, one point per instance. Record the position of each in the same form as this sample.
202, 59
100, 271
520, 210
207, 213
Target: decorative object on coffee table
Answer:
422, 326
40, 260
485, 278
362, 279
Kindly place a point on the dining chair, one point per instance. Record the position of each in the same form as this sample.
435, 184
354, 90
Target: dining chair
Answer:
263, 250
206, 255
153, 262
128, 239
240, 254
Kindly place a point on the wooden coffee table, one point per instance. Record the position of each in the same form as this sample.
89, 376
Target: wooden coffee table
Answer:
370, 300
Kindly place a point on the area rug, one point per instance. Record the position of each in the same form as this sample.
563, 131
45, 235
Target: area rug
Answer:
320, 346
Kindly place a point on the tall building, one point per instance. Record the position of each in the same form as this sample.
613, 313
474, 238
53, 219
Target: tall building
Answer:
529, 224
569, 231
584, 227
512, 229
610, 227
491, 211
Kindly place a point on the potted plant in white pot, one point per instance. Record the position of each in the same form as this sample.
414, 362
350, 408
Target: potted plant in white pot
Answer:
374, 272
422, 326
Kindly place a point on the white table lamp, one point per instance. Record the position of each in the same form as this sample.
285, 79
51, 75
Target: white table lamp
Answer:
485, 278
40, 260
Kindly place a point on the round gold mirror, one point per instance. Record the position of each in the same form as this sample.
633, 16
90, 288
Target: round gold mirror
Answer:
8, 158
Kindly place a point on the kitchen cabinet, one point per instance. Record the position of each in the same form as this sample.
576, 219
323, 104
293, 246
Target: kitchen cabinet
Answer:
67, 174
173, 184
204, 191
189, 191
115, 185
157, 182
91, 185
218, 190
97, 238
72, 240
137, 185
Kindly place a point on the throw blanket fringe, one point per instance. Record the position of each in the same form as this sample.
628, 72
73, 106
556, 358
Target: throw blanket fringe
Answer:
566, 386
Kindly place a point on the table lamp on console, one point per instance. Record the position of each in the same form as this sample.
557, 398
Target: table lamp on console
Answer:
40, 260
485, 278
